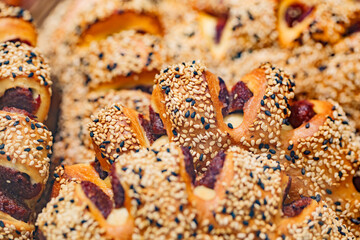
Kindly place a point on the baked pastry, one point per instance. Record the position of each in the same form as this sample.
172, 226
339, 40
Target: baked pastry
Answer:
25, 81
190, 106
16, 25
198, 111
25, 158
124, 60
74, 144
184, 209
116, 130
317, 20
321, 154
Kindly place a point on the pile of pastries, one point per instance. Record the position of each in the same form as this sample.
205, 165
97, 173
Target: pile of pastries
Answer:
181, 119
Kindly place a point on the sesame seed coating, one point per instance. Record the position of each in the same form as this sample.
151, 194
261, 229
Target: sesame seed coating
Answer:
115, 130
27, 145
16, 12
162, 205
21, 60
66, 217
184, 87
113, 62
263, 134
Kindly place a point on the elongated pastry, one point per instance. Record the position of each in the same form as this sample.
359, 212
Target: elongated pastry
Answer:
116, 130
16, 25
322, 155
198, 111
124, 60
25, 150
154, 195
25, 81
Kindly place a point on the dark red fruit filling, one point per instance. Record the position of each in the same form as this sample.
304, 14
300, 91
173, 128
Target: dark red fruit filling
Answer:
356, 181
189, 164
97, 166
295, 208
301, 111
220, 25
240, 94
214, 169
157, 125
20, 100
296, 13
353, 29
118, 190
147, 128
98, 197
14, 207
18, 183
224, 96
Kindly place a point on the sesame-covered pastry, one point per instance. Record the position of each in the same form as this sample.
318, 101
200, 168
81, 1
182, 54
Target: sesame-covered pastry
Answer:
25, 81
25, 150
154, 194
123, 60
321, 153
16, 25
325, 21
106, 18
118, 129
198, 111
340, 74
74, 143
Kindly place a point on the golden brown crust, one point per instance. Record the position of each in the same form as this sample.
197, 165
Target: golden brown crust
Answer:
318, 21
24, 67
16, 24
123, 60
26, 145
115, 130
160, 201
322, 156
186, 98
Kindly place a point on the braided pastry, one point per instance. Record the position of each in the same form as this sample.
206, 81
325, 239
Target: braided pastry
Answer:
25, 151
312, 139
25, 81
200, 113
16, 25
245, 202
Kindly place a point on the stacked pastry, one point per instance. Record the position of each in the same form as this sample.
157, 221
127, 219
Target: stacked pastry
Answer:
197, 156
283, 179
25, 142
110, 62
316, 41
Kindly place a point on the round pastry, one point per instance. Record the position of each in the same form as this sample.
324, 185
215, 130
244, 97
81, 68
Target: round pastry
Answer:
322, 155
198, 111
25, 81
155, 195
25, 150
321, 21
116, 130
123, 60
74, 144
16, 25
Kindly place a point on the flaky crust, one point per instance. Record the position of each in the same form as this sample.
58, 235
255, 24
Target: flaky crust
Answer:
161, 202
16, 24
186, 98
115, 130
23, 66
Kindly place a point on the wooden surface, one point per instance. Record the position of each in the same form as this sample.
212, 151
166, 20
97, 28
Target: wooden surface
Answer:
39, 8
